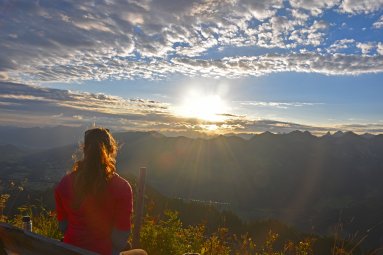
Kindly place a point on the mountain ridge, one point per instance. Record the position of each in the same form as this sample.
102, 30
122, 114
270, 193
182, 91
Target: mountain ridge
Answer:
49, 137
299, 178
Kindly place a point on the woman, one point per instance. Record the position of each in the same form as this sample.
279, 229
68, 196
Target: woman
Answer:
93, 203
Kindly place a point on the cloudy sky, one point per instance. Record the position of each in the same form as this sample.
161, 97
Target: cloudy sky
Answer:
212, 66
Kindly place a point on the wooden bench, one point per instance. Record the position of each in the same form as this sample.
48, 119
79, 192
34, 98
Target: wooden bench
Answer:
17, 241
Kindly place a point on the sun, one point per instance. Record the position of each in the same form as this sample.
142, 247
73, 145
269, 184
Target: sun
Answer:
202, 106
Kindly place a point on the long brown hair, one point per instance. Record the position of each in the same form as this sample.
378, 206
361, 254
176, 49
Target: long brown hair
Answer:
97, 166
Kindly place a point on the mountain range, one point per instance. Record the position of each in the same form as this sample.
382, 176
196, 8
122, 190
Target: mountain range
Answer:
313, 183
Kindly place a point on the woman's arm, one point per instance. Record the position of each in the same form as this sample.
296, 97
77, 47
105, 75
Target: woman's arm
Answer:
63, 224
60, 212
122, 217
119, 239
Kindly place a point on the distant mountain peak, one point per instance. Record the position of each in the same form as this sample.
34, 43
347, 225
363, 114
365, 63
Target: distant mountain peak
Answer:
368, 135
350, 133
338, 134
155, 134
267, 133
299, 132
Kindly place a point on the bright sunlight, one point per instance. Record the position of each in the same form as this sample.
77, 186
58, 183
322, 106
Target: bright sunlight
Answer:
202, 106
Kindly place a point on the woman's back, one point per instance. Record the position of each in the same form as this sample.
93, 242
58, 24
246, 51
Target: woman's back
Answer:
90, 223
93, 203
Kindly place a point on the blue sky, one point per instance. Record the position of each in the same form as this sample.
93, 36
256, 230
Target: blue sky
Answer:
188, 67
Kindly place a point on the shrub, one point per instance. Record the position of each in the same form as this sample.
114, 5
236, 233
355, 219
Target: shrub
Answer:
168, 236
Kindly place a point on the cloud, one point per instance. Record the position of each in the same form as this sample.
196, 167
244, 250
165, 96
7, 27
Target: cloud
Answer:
379, 23
373, 128
315, 7
46, 103
335, 64
29, 106
365, 47
379, 48
280, 105
339, 45
346, 6
230, 67
45, 41
361, 6
313, 35
258, 126
262, 9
